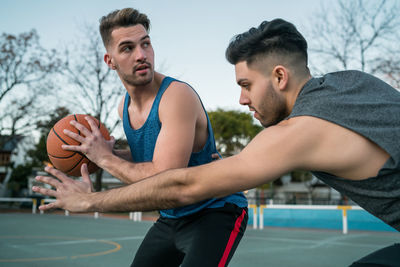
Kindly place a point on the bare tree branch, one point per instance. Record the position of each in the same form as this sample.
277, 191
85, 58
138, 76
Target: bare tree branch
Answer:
351, 34
24, 67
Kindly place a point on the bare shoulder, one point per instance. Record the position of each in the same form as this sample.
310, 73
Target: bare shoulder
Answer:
180, 97
332, 148
180, 91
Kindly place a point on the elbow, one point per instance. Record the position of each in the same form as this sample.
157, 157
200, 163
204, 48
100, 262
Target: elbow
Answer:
188, 189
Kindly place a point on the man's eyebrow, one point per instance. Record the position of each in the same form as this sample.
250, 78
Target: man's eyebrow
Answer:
130, 42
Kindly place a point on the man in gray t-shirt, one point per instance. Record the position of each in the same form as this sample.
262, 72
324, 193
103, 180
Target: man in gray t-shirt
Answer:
345, 127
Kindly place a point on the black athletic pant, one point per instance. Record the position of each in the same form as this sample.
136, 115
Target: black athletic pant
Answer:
385, 257
206, 238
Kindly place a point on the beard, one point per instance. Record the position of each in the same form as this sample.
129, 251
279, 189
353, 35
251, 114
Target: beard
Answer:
138, 80
274, 107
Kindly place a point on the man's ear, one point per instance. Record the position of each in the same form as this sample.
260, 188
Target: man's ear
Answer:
280, 76
109, 61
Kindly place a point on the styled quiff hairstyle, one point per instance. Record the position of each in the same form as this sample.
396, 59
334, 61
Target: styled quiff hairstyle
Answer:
277, 37
121, 18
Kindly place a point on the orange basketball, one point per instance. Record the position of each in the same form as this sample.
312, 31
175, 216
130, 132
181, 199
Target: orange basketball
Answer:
66, 161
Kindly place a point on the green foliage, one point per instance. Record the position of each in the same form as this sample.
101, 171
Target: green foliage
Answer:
37, 155
233, 130
19, 178
58, 114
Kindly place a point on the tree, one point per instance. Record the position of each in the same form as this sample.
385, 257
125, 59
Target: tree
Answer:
233, 130
24, 67
36, 156
354, 35
94, 89
390, 69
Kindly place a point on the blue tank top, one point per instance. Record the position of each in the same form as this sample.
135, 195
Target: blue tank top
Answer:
142, 142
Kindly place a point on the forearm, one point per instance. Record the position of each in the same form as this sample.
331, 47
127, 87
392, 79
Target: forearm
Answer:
126, 171
175, 188
123, 153
162, 191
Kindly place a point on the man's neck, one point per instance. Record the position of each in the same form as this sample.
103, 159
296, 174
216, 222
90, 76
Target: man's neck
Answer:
297, 87
140, 95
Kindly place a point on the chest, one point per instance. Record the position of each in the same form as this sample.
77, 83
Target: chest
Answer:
138, 115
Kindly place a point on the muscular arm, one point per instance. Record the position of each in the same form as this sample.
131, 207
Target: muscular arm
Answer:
178, 112
300, 143
261, 161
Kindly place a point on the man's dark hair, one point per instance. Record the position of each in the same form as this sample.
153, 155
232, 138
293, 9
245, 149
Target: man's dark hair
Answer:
271, 37
121, 18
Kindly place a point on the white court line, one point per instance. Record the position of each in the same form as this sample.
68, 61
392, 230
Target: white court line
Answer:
80, 241
313, 243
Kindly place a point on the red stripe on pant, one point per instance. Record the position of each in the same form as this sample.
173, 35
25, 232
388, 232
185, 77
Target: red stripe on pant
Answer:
232, 239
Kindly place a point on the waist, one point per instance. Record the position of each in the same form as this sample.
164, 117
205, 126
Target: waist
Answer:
238, 199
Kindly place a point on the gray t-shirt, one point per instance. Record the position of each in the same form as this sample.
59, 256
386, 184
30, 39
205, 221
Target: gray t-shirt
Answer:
370, 107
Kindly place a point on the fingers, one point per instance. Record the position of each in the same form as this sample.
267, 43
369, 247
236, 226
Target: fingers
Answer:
59, 174
49, 206
93, 126
73, 148
86, 177
48, 180
85, 131
44, 191
73, 135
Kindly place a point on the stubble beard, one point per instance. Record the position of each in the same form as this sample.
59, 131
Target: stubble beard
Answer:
135, 80
277, 109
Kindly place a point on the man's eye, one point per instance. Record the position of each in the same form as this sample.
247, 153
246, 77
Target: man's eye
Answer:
127, 49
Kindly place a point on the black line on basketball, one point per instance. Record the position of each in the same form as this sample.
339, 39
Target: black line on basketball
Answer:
76, 164
54, 131
58, 157
76, 119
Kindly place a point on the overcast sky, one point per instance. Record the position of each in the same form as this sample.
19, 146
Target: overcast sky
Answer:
189, 37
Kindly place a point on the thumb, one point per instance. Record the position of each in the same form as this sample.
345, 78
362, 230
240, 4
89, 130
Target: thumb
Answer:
85, 176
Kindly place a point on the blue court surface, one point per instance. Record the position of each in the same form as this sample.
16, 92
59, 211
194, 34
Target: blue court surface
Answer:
79, 240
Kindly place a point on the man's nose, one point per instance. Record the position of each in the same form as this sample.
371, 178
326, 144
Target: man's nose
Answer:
244, 99
140, 54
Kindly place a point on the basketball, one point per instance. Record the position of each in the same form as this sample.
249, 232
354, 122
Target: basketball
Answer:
66, 161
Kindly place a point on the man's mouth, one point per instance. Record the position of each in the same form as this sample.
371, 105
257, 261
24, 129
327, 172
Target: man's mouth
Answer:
251, 109
142, 68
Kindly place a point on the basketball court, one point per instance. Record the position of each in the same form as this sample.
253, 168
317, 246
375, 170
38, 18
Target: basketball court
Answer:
79, 240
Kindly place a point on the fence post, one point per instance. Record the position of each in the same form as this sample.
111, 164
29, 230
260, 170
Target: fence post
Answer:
34, 205
261, 216
42, 203
344, 218
254, 207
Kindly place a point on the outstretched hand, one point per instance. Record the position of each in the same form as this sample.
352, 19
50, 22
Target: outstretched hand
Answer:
92, 143
70, 194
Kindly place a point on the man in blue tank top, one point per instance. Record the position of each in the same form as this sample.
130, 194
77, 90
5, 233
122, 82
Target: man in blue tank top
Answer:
344, 127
